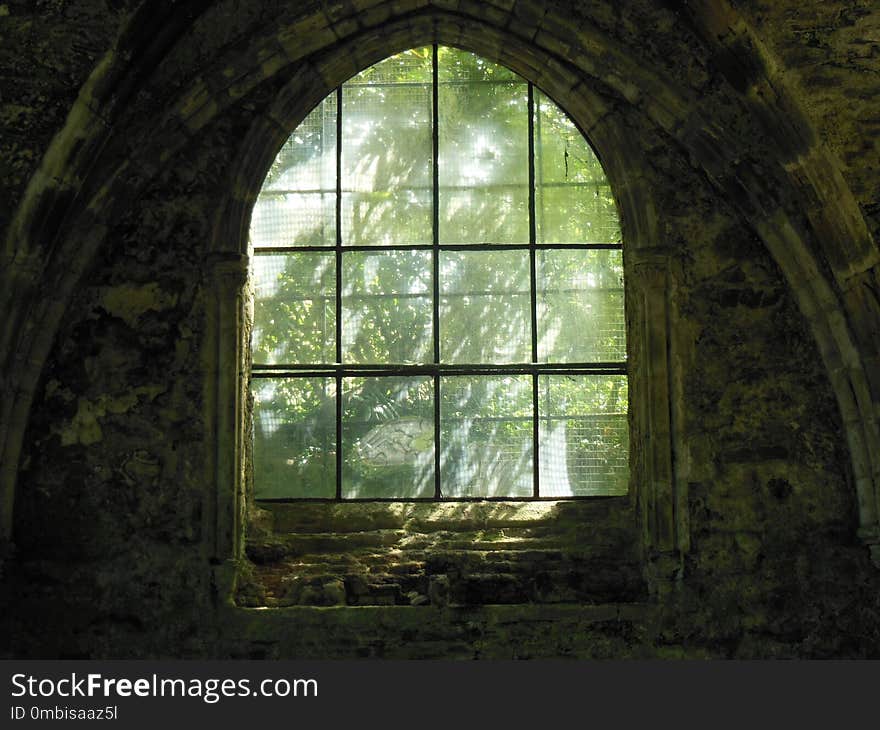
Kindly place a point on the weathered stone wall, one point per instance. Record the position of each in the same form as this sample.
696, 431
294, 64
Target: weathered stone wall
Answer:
114, 513
47, 50
829, 52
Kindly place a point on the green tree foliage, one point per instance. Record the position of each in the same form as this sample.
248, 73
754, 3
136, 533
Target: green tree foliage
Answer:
387, 295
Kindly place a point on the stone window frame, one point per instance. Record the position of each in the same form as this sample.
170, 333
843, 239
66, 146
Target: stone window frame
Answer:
657, 497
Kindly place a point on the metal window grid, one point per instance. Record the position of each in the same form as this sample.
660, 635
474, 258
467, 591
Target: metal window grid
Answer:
585, 424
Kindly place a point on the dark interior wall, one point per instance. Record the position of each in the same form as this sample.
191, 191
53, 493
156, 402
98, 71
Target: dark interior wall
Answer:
115, 463
113, 513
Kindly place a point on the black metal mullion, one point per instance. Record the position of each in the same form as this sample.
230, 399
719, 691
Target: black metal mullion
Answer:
533, 295
281, 192
435, 258
536, 437
355, 370
270, 250
407, 500
339, 291
532, 224
338, 225
539, 175
448, 295
339, 372
339, 436
379, 373
447, 82
435, 201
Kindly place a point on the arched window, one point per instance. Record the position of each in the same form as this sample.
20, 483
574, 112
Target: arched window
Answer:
438, 295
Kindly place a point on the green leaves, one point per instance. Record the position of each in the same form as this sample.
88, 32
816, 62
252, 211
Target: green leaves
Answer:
386, 309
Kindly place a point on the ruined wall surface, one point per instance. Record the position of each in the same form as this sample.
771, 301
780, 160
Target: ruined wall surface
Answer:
112, 491
47, 50
829, 52
113, 513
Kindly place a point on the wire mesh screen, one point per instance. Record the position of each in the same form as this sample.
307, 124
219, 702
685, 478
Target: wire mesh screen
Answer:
297, 205
412, 66
573, 201
486, 428
294, 438
584, 435
296, 319
288, 219
439, 243
388, 438
457, 65
386, 165
584, 456
486, 457
580, 306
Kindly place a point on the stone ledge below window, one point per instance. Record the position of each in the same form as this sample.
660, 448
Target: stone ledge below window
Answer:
441, 554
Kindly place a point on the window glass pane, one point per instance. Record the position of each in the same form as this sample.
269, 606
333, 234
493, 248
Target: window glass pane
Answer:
294, 308
297, 205
573, 201
485, 314
386, 307
457, 65
412, 66
584, 439
388, 438
580, 306
387, 153
294, 437
486, 436
483, 165
387, 296
386, 218
484, 215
